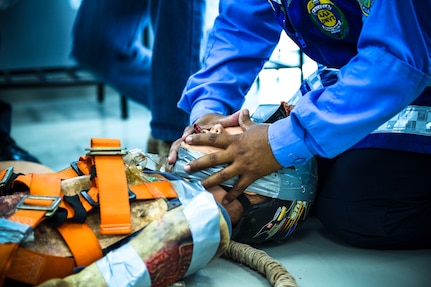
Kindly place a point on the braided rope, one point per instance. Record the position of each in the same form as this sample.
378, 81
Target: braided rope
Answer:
260, 261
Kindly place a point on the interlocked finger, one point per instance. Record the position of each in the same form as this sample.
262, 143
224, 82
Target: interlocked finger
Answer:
219, 177
213, 159
211, 139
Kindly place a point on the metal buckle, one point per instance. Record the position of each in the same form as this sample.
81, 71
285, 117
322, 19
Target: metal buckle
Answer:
50, 209
84, 193
106, 151
7, 176
87, 197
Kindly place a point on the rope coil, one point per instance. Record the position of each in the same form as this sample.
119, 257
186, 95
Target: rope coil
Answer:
260, 261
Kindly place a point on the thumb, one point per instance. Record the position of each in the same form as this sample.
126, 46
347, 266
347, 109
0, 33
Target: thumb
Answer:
244, 119
231, 120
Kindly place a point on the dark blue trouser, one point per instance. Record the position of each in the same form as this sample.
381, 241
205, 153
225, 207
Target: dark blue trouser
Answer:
107, 39
377, 198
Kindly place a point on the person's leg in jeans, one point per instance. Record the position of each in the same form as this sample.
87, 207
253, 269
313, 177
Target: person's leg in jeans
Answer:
178, 28
375, 198
107, 40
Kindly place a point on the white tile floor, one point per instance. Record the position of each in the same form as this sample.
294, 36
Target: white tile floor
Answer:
56, 126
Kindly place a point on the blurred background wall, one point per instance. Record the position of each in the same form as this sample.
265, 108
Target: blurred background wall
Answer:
35, 33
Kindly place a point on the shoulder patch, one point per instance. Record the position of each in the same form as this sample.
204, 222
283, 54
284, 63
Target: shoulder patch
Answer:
366, 6
328, 17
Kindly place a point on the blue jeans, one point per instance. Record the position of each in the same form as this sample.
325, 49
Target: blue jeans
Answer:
107, 40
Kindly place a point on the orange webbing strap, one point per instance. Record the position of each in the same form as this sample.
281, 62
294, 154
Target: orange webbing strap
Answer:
43, 198
66, 173
3, 173
44, 191
112, 185
34, 268
7, 251
82, 242
152, 190
31, 267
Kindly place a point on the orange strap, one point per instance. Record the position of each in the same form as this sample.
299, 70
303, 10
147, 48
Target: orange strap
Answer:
152, 190
111, 182
42, 187
3, 174
38, 266
6, 252
34, 268
44, 197
82, 242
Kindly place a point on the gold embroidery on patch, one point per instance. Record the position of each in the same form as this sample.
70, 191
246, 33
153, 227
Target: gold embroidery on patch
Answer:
328, 17
366, 6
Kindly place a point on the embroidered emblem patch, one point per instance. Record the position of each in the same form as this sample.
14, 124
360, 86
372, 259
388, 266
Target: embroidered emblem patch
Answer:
329, 18
366, 6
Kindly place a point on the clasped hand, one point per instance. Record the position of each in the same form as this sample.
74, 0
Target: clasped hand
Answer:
247, 154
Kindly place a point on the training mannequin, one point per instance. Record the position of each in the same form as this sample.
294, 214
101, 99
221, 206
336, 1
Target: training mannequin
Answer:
275, 222
165, 243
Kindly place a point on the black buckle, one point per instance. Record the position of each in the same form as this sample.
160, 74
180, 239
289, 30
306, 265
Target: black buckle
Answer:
84, 194
74, 166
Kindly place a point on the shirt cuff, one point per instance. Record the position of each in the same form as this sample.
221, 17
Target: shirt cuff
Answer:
288, 148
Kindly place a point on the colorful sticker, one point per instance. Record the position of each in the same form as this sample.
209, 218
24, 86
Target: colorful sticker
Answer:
328, 17
366, 6
285, 220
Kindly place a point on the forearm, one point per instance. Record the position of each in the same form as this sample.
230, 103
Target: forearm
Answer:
242, 39
387, 74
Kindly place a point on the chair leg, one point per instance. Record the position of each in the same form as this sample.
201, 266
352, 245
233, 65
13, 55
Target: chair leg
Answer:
124, 107
100, 92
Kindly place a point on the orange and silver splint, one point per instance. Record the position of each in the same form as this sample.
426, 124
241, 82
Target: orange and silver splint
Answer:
191, 230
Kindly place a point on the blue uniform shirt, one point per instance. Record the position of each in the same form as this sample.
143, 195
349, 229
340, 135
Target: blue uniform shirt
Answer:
383, 51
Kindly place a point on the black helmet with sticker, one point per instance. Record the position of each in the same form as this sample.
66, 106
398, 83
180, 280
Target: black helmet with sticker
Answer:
272, 220
288, 195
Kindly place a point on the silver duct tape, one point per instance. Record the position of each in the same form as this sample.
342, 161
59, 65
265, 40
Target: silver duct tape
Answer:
201, 212
296, 183
124, 268
411, 120
13, 232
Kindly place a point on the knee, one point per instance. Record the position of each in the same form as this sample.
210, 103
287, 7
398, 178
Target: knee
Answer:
353, 224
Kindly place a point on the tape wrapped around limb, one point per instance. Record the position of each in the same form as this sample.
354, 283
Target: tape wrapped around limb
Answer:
158, 256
